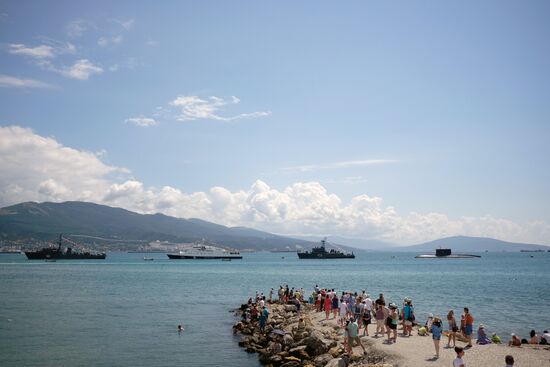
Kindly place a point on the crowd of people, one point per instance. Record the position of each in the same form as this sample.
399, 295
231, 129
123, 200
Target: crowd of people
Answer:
355, 311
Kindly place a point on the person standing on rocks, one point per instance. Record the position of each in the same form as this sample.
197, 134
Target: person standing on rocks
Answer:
335, 305
357, 309
381, 313
352, 332
366, 318
327, 306
468, 326
368, 303
391, 323
263, 319
343, 311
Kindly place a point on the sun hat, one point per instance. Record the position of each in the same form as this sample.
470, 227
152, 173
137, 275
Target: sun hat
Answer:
513, 334
481, 326
430, 315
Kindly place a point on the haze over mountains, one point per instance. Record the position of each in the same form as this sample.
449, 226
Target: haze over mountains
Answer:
116, 228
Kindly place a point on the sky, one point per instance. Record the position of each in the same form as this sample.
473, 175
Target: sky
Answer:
401, 121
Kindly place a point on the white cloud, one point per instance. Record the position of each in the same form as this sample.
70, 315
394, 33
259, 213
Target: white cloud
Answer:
7, 81
38, 52
40, 169
81, 70
196, 108
141, 121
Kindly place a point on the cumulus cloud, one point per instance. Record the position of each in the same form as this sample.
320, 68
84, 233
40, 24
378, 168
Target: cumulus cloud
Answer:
141, 121
38, 168
196, 108
7, 81
81, 70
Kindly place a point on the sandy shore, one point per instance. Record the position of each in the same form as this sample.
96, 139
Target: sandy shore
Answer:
419, 351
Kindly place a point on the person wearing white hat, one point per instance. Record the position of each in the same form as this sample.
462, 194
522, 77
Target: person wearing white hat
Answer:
429, 322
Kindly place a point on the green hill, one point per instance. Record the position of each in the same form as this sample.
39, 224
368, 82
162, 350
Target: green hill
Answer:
92, 222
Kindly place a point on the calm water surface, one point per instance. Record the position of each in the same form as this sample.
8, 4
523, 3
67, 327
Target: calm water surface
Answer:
124, 311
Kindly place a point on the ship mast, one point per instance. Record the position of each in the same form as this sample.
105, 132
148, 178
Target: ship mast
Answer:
59, 243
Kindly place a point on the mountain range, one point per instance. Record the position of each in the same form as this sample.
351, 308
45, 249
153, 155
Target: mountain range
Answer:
119, 229
100, 225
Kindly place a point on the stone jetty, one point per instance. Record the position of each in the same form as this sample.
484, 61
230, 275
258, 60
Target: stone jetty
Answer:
293, 338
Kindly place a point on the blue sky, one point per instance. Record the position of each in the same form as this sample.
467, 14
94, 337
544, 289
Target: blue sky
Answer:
403, 121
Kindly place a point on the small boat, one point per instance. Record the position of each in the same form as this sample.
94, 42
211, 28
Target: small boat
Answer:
445, 253
148, 259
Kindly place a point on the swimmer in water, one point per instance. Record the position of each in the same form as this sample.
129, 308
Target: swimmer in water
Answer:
180, 328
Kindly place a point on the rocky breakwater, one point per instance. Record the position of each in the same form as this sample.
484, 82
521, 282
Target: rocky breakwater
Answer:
302, 339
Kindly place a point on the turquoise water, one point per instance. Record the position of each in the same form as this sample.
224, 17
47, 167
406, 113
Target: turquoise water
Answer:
124, 311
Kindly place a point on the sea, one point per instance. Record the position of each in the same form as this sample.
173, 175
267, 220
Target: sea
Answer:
124, 311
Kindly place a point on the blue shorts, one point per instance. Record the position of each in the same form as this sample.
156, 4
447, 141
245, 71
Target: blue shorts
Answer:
468, 330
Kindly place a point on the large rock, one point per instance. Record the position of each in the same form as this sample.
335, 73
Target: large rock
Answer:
276, 360
290, 308
288, 340
300, 334
356, 357
322, 360
299, 352
315, 344
337, 362
291, 364
336, 351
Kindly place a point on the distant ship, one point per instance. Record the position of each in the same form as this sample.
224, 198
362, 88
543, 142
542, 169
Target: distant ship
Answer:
445, 253
321, 253
202, 251
53, 253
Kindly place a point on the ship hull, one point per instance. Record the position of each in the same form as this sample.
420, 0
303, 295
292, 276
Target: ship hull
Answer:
37, 256
325, 256
202, 257
446, 257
